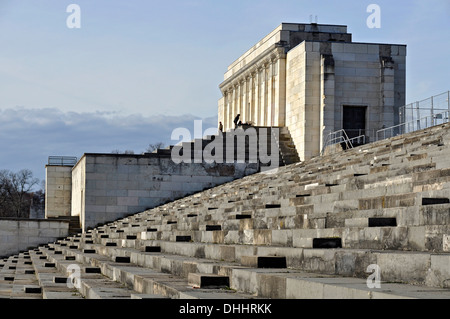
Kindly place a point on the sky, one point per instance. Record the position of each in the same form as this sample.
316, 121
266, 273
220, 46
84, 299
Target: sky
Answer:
136, 70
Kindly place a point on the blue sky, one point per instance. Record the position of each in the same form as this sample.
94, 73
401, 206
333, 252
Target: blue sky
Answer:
138, 69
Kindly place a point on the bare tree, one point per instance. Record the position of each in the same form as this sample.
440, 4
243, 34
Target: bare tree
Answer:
152, 147
4, 197
37, 204
15, 189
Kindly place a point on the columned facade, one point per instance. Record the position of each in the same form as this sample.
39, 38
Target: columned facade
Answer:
314, 80
253, 93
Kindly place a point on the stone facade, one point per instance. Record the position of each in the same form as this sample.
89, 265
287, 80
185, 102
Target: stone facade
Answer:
106, 187
58, 190
21, 234
311, 79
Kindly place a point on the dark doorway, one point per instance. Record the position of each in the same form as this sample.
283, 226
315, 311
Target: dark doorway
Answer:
354, 122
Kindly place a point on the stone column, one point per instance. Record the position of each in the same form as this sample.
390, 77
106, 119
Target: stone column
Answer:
311, 126
235, 102
257, 104
266, 94
263, 104
269, 86
227, 110
251, 84
224, 116
230, 108
280, 93
387, 88
239, 99
245, 110
275, 95
327, 91
221, 110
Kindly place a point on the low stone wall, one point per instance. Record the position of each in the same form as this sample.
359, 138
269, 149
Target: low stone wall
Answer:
58, 190
21, 234
106, 187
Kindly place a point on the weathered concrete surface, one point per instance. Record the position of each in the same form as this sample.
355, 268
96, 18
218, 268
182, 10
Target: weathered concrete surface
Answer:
106, 187
371, 222
21, 234
303, 76
58, 190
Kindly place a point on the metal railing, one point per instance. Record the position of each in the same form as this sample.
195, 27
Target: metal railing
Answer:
419, 115
341, 137
62, 160
415, 116
414, 125
428, 107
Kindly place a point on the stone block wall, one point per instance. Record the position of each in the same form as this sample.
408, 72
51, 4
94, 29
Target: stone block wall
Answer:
322, 78
295, 97
58, 190
254, 84
372, 75
303, 76
106, 187
21, 234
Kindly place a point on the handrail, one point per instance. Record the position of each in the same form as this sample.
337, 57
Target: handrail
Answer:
415, 125
62, 160
334, 138
438, 102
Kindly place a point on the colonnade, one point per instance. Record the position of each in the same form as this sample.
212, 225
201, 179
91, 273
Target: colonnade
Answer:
255, 94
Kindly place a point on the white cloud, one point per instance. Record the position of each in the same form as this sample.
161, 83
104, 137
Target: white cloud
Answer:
29, 136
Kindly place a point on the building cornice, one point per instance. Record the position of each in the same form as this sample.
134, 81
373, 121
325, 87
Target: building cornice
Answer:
270, 55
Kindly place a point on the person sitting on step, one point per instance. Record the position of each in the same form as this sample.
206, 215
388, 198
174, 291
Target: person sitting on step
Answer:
236, 120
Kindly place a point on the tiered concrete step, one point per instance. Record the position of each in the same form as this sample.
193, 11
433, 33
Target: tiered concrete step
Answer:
259, 267
74, 224
18, 280
322, 259
87, 277
315, 188
384, 216
232, 146
408, 210
139, 275
308, 230
286, 146
54, 285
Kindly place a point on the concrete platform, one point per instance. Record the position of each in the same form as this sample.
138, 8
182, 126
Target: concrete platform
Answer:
330, 222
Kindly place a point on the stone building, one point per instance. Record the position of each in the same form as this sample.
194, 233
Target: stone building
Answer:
307, 79
312, 79
107, 187
100, 188
58, 186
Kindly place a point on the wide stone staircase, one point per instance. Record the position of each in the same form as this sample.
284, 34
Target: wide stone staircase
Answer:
74, 223
245, 144
324, 228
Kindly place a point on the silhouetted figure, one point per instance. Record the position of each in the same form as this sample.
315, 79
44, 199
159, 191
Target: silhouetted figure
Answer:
220, 127
236, 120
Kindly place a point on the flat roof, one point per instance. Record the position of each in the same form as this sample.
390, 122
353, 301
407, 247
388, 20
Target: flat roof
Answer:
294, 27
